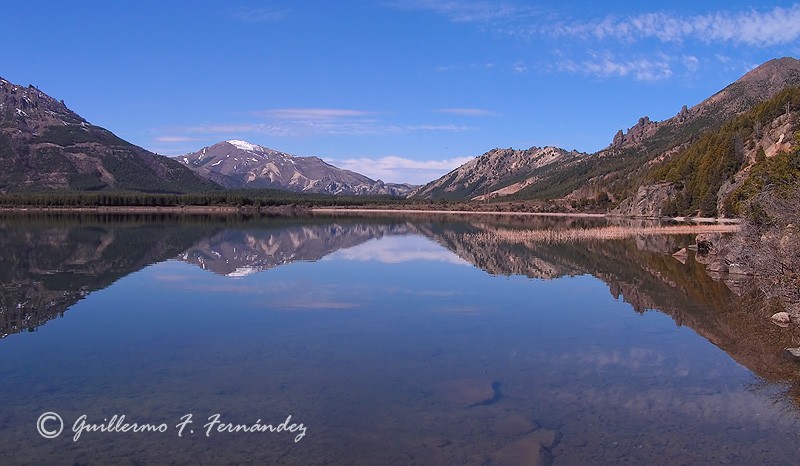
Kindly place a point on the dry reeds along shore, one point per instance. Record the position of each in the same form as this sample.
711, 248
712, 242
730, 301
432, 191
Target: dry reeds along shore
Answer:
600, 233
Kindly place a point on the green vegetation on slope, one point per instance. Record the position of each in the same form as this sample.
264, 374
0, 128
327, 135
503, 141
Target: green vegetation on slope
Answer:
779, 174
235, 198
701, 169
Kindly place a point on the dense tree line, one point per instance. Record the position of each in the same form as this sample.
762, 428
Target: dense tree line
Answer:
701, 169
235, 198
779, 174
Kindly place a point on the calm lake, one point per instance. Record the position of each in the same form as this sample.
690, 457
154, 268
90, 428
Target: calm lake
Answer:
378, 340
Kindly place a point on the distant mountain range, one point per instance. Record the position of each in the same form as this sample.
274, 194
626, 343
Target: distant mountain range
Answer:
240, 164
639, 158
700, 162
46, 146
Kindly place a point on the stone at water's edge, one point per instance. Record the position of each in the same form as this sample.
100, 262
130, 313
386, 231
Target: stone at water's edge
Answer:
682, 252
647, 202
795, 352
704, 245
525, 451
681, 256
781, 318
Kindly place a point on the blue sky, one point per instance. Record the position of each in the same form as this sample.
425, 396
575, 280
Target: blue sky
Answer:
402, 90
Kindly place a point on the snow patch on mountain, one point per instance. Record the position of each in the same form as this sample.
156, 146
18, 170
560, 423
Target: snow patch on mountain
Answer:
244, 145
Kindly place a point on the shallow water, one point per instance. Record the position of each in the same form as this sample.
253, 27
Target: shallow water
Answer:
392, 342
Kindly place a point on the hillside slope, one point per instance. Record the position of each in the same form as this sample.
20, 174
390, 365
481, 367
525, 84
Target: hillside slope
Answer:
628, 163
46, 146
499, 172
724, 167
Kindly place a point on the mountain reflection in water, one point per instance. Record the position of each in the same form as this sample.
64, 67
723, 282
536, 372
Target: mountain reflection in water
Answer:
50, 263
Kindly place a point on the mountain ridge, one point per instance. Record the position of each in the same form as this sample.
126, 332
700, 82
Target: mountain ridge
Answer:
619, 169
241, 164
496, 173
46, 146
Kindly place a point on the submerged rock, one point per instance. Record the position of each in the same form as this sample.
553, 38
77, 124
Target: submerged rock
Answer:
468, 392
525, 451
532, 449
781, 318
546, 438
794, 352
514, 426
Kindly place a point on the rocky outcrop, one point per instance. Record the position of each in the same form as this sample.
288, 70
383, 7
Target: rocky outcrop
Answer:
647, 202
683, 115
766, 142
619, 138
642, 130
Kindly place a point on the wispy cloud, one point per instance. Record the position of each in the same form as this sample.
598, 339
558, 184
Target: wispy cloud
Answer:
758, 28
473, 66
302, 122
753, 28
259, 14
466, 11
604, 65
311, 113
176, 139
471, 112
400, 169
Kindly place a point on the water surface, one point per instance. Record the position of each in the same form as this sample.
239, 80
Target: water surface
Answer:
393, 341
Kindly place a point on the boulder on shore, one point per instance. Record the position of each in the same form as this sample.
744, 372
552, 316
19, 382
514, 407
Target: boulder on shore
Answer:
781, 318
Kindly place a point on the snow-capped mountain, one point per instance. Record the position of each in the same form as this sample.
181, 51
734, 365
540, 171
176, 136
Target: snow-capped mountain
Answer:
240, 164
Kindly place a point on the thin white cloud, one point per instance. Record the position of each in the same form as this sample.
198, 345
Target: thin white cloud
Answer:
311, 113
400, 169
176, 139
642, 69
605, 65
411, 128
470, 112
259, 14
472, 66
753, 28
302, 122
466, 11
756, 27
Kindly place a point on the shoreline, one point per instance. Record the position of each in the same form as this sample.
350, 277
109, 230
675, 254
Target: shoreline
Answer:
341, 210
153, 210
290, 209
